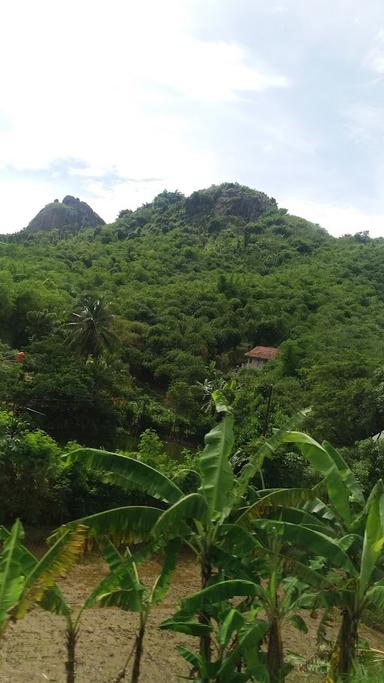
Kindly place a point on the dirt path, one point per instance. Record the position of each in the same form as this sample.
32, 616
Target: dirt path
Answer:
33, 651
34, 648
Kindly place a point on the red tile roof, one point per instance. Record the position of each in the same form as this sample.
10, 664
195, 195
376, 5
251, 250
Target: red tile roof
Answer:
263, 352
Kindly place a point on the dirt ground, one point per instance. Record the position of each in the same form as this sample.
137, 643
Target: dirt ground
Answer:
33, 650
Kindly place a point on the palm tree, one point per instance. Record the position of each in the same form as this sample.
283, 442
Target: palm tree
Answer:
91, 330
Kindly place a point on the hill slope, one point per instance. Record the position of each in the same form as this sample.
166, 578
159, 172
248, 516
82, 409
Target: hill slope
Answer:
193, 283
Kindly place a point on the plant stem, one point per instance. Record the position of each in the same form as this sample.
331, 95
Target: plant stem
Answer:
122, 673
71, 639
205, 641
138, 649
344, 652
275, 655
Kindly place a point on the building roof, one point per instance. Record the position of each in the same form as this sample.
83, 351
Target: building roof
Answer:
263, 352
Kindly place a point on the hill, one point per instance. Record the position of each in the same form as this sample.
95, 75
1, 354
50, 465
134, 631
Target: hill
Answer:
70, 215
192, 283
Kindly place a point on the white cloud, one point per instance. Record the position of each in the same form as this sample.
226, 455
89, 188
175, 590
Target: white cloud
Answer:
365, 122
191, 93
115, 86
21, 200
375, 58
94, 79
337, 219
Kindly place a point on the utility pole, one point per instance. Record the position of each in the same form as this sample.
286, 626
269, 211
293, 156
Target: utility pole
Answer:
268, 412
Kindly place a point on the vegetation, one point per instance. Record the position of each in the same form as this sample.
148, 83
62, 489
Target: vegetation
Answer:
272, 551
133, 336
189, 285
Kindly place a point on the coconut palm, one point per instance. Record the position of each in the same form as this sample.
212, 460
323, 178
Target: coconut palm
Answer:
91, 333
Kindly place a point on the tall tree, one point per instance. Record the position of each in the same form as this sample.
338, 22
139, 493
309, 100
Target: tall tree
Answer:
91, 332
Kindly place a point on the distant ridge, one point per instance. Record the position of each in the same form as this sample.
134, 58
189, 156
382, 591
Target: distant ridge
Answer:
70, 215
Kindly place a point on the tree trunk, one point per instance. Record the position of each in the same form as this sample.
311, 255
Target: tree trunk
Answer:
205, 641
138, 654
343, 654
70, 664
275, 654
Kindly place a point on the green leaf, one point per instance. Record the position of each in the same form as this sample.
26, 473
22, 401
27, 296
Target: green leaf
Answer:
306, 518
12, 580
238, 539
218, 592
221, 403
189, 656
217, 478
312, 540
277, 499
375, 598
128, 600
247, 647
53, 564
128, 473
163, 582
53, 600
190, 628
122, 577
352, 484
373, 537
324, 463
233, 621
131, 524
298, 622
267, 449
24, 557
173, 522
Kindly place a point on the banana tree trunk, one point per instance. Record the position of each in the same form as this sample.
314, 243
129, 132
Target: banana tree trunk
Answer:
138, 652
71, 639
344, 652
205, 641
275, 654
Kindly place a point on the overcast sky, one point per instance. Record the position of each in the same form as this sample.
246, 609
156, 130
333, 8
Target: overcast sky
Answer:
113, 101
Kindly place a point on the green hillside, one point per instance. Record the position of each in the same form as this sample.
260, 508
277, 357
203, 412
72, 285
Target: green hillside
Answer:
187, 285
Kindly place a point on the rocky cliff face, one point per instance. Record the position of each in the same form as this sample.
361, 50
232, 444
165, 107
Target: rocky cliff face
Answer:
69, 215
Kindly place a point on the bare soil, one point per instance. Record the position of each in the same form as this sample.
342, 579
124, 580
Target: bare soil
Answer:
33, 649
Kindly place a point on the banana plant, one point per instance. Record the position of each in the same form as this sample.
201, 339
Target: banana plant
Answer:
53, 600
194, 518
123, 588
236, 633
359, 527
296, 513
197, 518
25, 580
354, 563
257, 556
12, 576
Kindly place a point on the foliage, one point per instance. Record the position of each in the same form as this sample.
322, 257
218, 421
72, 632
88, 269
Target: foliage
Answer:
25, 580
191, 282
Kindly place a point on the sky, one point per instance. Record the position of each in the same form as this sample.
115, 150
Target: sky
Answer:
114, 101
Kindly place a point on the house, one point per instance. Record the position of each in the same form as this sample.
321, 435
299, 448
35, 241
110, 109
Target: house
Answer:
257, 357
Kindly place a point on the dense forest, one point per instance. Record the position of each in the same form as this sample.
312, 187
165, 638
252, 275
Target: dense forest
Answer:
125, 329
122, 345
